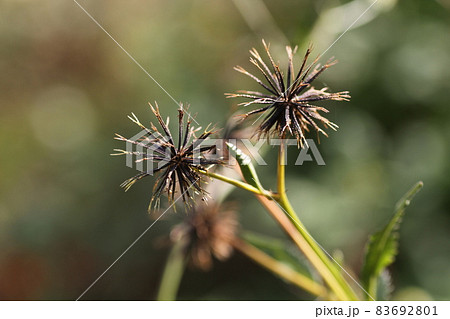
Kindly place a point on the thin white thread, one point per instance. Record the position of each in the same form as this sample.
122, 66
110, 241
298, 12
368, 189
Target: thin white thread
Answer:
179, 104
329, 255
323, 249
134, 60
334, 42
135, 241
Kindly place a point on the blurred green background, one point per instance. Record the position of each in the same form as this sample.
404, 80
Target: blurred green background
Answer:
66, 88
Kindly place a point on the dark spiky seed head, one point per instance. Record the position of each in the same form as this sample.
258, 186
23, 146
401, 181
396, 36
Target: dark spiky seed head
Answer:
287, 100
178, 164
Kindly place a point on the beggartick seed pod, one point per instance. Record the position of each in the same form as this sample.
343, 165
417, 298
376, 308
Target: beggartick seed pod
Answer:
209, 230
176, 163
288, 98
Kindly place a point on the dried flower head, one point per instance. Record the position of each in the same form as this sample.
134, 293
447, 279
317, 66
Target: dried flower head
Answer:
209, 231
177, 164
289, 97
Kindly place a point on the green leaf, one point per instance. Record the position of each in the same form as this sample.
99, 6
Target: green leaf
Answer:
280, 250
247, 168
382, 247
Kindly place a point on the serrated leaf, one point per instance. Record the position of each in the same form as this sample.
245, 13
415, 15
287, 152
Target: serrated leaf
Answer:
247, 168
279, 250
382, 247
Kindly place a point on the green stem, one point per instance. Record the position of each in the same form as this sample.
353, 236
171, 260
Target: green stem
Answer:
281, 184
237, 183
328, 270
372, 289
280, 269
173, 272
299, 235
275, 210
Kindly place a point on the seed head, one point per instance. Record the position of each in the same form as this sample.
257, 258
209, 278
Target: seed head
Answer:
209, 230
288, 99
177, 164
